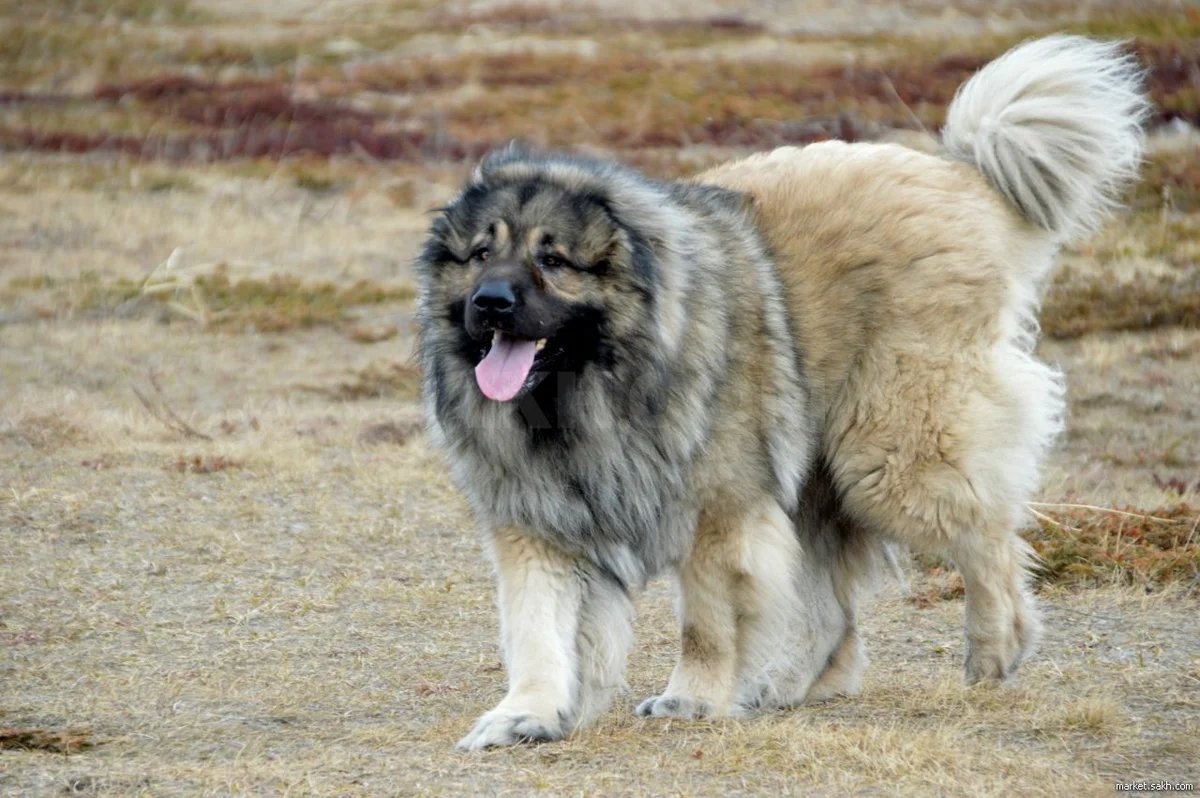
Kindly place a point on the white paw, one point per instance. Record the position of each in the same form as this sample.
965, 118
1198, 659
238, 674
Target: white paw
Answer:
674, 706
511, 726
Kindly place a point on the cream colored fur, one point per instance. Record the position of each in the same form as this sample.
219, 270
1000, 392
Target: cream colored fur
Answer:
564, 632
539, 600
913, 280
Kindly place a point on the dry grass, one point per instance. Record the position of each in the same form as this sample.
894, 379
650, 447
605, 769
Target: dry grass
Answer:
280, 303
214, 301
620, 83
258, 579
203, 464
1074, 306
376, 380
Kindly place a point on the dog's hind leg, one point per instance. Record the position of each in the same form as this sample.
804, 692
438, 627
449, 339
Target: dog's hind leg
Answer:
941, 454
1002, 626
540, 597
853, 559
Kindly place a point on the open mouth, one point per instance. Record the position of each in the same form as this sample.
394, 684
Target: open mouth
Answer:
508, 366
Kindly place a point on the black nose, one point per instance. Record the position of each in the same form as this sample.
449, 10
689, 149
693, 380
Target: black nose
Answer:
495, 296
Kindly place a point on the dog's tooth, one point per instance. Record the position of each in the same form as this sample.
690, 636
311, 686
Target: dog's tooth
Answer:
541, 344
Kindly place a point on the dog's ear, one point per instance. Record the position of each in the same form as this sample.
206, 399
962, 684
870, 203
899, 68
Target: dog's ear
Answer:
477, 174
496, 159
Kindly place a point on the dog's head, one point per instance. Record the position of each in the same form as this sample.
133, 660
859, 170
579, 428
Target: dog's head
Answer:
546, 264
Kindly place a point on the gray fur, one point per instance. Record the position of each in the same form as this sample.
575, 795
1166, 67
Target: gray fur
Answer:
690, 411
672, 422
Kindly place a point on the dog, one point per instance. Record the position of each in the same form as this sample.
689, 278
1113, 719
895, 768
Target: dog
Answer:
755, 380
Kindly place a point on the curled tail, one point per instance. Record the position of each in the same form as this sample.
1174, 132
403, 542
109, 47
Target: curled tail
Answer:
1056, 125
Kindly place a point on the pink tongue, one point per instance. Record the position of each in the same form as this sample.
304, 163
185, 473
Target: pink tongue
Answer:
502, 373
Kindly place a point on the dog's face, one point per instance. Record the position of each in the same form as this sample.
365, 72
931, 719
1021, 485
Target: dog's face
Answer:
525, 277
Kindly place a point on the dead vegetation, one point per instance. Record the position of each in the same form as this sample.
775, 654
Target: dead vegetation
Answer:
366, 334
55, 741
619, 97
87, 293
1088, 546
41, 431
282, 302
942, 585
396, 433
1096, 546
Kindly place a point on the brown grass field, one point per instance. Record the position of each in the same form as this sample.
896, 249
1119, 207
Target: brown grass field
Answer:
231, 564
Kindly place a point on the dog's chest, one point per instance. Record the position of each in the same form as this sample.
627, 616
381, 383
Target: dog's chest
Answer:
593, 493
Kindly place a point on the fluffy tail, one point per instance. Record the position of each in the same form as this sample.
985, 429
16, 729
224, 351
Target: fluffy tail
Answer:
1056, 125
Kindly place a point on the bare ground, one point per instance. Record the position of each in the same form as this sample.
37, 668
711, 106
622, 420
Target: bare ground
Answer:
256, 578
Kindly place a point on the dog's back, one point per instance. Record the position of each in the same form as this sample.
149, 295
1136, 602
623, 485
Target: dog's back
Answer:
954, 244
878, 239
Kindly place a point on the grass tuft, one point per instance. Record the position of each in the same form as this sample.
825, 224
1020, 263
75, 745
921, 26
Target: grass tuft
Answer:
282, 303
947, 586
1088, 546
1101, 717
86, 292
41, 431
368, 334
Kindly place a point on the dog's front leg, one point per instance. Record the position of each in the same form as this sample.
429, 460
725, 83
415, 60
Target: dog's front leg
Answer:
738, 609
705, 676
540, 594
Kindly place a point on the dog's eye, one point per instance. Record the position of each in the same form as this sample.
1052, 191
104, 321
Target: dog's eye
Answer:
481, 254
552, 261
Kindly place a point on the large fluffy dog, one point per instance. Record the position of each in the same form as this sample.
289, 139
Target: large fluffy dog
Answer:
752, 378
